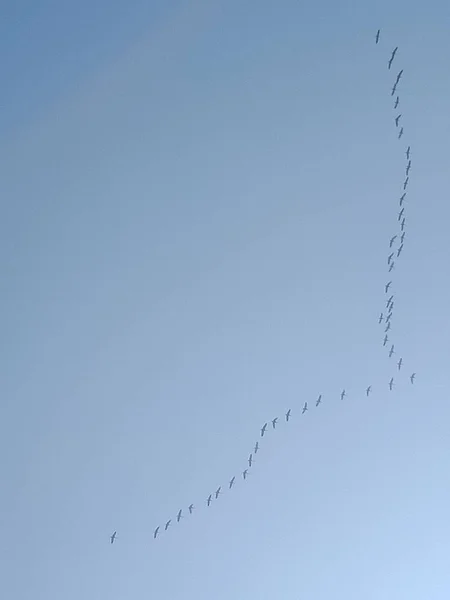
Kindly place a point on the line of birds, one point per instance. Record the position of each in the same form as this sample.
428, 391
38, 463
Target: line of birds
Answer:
383, 318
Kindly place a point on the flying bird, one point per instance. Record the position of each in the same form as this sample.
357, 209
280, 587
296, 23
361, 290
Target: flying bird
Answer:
388, 317
394, 52
405, 183
391, 351
391, 383
218, 491
256, 448
305, 408
245, 473
155, 533
380, 319
250, 460
388, 285
394, 89
232, 480
408, 167
399, 364
288, 415
389, 300
408, 151
113, 537
191, 508
319, 400
179, 515
390, 257
343, 394
392, 266
263, 429
399, 251
402, 224
399, 76
400, 133
392, 240
377, 37
208, 501
166, 526
400, 214
385, 341
402, 198
397, 119
397, 100
368, 390
388, 326
274, 422
402, 237
413, 376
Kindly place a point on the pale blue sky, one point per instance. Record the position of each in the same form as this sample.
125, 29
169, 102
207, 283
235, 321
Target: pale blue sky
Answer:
197, 199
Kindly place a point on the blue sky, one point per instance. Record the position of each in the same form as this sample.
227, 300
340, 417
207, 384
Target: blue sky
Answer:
197, 200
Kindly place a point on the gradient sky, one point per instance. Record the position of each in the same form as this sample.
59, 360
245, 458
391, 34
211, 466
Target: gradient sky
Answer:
196, 204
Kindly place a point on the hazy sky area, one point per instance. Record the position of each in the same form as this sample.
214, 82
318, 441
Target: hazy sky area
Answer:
196, 204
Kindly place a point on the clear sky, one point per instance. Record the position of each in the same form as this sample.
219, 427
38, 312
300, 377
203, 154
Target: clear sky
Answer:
196, 204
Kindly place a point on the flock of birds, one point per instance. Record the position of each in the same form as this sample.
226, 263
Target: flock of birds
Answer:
396, 244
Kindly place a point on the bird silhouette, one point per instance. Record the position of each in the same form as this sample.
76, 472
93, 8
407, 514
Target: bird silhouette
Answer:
319, 400
391, 351
343, 394
413, 376
408, 152
377, 37
397, 119
400, 214
368, 390
218, 491
399, 364
388, 326
155, 533
400, 133
385, 341
391, 383
391, 268
405, 183
288, 415
209, 500
402, 224
397, 100
232, 480
166, 526
305, 408
388, 285
179, 515
263, 429
399, 75
245, 473
274, 422
113, 537
394, 52
399, 251
250, 460
191, 508
402, 198
380, 318
392, 240
256, 448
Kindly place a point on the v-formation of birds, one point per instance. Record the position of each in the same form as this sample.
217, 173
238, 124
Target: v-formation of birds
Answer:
396, 244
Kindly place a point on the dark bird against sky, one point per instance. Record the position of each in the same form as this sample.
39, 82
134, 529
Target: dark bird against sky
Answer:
394, 52
113, 537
